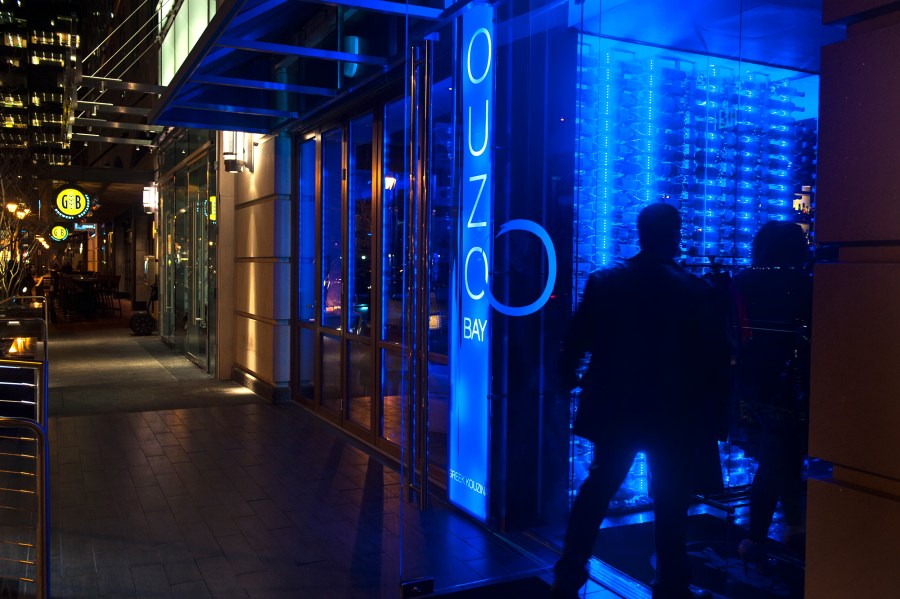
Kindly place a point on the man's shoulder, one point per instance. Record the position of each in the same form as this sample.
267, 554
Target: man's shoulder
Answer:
610, 271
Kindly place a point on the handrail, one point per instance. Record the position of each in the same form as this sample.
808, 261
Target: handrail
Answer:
41, 400
45, 331
35, 298
42, 529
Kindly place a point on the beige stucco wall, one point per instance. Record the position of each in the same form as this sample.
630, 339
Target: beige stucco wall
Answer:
258, 317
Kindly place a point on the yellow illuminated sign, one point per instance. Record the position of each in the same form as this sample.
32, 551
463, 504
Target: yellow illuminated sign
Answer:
59, 233
212, 208
71, 202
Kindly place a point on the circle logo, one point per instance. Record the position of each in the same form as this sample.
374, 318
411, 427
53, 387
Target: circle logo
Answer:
59, 233
71, 202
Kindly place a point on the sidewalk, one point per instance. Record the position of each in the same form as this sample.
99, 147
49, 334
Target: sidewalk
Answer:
167, 483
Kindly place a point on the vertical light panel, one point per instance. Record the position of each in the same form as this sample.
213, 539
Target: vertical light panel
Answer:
470, 311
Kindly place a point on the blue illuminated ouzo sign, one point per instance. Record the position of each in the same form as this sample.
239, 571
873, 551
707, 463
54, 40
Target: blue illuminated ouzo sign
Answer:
470, 351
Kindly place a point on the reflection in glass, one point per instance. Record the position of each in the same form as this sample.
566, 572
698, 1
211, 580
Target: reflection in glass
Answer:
212, 265
306, 250
167, 289
195, 329
181, 260
331, 373
332, 284
438, 410
360, 224
306, 370
442, 248
391, 396
395, 186
359, 384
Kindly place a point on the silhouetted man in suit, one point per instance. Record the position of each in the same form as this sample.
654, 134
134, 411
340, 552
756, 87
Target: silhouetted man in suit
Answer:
653, 384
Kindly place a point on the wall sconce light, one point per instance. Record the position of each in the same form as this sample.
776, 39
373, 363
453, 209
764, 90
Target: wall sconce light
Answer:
234, 151
390, 181
150, 199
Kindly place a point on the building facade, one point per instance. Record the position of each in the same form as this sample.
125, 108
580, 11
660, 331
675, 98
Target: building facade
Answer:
409, 199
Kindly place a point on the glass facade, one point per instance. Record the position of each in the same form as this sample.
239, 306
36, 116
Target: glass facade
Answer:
447, 228
179, 31
732, 145
188, 273
351, 202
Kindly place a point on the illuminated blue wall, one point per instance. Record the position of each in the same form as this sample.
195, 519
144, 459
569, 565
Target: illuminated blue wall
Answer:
730, 144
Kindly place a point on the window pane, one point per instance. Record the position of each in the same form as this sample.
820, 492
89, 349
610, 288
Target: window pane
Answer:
392, 222
307, 365
438, 409
331, 373
306, 251
332, 287
441, 243
360, 225
182, 260
391, 396
359, 384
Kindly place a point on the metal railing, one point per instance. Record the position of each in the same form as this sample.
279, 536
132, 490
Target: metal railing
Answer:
24, 449
24, 513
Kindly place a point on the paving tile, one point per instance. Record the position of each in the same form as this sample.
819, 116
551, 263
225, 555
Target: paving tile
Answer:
152, 499
166, 438
241, 556
219, 520
258, 535
171, 485
235, 503
75, 585
150, 581
183, 509
176, 454
71, 495
160, 464
75, 553
115, 581
200, 540
220, 579
151, 447
201, 494
270, 514
142, 476
182, 571
196, 589
163, 528
248, 488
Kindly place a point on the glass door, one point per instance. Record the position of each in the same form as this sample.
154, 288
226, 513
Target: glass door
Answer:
188, 279
392, 243
182, 220
197, 310
453, 414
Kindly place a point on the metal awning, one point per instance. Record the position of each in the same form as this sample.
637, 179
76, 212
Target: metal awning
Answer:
261, 64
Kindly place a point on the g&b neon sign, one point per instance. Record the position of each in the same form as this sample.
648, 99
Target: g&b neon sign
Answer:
71, 202
59, 233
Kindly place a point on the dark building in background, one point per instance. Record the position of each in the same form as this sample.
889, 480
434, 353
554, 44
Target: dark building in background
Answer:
37, 82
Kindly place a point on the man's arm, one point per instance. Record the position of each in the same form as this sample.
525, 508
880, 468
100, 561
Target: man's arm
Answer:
578, 337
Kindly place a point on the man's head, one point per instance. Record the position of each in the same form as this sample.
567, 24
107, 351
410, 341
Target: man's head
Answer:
780, 244
659, 230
